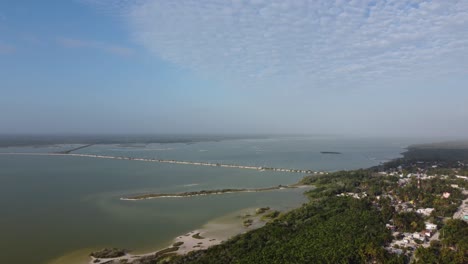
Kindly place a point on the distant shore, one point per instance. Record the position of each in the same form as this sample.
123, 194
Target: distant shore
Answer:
24, 140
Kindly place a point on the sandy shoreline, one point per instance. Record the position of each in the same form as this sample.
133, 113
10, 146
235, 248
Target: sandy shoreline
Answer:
189, 244
213, 233
210, 234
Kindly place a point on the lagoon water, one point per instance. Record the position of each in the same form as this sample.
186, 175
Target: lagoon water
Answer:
57, 209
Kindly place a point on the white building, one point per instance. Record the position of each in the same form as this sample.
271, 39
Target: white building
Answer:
430, 226
425, 211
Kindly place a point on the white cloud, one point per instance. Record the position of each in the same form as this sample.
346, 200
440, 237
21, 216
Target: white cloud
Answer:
314, 41
79, 43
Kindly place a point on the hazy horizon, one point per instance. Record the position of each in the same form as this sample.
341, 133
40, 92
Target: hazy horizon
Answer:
25, 140
362, 68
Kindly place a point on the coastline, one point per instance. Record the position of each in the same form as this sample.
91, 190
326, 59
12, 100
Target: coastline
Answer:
214, 232
189, 243
210, 234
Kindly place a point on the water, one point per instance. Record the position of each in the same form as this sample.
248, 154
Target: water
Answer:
56, 206
292, 152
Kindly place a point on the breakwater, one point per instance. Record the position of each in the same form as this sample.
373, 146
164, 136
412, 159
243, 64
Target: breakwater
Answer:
194, 163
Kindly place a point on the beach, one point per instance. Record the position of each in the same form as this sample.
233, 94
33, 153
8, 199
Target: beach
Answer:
212, 233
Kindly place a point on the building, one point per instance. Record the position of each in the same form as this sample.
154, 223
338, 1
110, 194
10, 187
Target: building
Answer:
425, 211
431, 226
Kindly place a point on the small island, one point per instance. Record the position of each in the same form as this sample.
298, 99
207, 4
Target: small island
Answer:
204, 192
109, 253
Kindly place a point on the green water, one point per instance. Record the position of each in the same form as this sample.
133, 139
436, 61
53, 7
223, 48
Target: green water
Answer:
55, 205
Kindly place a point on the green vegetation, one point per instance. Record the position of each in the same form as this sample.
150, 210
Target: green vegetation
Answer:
453, 247
248, 222
178, 244
357, 181
436, 153
108, 253
197, 236
204, 192
245, 216
271, 215
262, 210
332, 230
409, 222
158, 257
167, 250
430, 195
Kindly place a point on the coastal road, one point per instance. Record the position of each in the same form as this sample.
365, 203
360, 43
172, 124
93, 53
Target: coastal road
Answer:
462, 210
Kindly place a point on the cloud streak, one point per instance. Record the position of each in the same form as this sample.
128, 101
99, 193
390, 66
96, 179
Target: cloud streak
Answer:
311, 41
97, 45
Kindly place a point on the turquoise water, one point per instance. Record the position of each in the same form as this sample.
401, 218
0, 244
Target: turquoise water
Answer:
52, 206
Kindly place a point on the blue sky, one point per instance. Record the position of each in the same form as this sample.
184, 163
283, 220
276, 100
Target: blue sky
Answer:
373, 68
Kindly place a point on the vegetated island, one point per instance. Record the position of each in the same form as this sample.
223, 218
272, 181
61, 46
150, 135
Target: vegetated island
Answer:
206, 192
330, 152
109, 253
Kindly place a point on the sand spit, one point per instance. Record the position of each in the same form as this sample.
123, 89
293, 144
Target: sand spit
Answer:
206, 192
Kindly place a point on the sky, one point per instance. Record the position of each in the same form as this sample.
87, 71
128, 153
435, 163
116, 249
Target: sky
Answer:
359, 67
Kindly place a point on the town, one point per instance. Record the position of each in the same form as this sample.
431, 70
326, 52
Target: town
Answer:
425, 196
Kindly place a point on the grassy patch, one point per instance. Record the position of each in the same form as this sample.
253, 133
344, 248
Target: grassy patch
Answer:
197, 236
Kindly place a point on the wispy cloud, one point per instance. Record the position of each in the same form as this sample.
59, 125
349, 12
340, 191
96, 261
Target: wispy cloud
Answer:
90, 44
6, 48
313, 41
32, 39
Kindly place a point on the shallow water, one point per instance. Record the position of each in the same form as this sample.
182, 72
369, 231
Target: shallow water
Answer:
55, 206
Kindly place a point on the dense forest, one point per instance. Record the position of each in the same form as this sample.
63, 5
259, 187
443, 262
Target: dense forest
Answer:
334, 230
